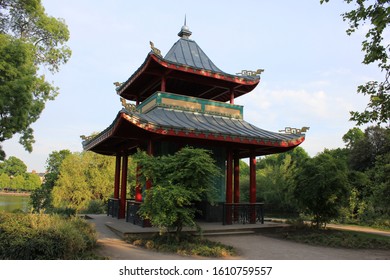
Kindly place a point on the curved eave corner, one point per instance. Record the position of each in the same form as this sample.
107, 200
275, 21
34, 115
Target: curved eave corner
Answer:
89, 144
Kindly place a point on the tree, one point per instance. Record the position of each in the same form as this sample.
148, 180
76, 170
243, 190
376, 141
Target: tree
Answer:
41, 198
179, 180
376, 16
17, 182
380, 175
275, 179
29, 39
13, 167
31, 182
321, 188
5, 181
363, 153
352, 137
83, 177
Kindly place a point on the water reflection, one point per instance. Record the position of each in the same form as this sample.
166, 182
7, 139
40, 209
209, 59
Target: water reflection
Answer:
11, 203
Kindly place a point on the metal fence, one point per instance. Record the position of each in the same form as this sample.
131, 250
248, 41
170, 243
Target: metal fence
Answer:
131, 213
243, 213
113, 207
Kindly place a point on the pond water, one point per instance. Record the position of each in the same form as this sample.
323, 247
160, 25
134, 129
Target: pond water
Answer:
11, 203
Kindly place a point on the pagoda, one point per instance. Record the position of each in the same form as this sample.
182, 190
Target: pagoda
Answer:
184, 99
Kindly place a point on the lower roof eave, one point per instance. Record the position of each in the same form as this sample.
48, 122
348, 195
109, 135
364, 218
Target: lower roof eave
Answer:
110, 141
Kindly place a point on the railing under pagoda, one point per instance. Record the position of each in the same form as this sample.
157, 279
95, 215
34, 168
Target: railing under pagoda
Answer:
113, 207
132, 213
243, 213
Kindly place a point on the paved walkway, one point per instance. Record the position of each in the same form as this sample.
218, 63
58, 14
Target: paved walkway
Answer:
249, 246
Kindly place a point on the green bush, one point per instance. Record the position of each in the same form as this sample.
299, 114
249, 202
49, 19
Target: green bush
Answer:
44, 237
95, 207
187, 245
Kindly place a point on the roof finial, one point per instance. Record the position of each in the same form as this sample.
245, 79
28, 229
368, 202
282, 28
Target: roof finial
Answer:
185, 32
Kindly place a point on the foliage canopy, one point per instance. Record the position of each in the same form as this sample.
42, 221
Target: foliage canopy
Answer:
376, 16
29, 39
179, 180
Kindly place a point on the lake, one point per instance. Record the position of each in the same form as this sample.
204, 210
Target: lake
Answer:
11, 203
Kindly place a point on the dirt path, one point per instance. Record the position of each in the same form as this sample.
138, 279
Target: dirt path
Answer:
113, 247
259, 247
250, 247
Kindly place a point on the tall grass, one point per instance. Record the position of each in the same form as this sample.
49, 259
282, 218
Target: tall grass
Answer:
44, 237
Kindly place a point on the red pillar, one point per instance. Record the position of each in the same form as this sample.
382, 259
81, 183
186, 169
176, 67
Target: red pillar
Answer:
163, 83
150, 152
229, 177
236, 179
229, 185
138, 192
117, 176
231, 96
122, 205
236, 192
252, 187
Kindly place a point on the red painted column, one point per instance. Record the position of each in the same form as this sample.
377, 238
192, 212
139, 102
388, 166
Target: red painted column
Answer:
122, 203
236, 179
149, 182
229, 185
117, 176
229, 177
236, 192
252, 187
231, 96
138, 192
150, 152
163, 83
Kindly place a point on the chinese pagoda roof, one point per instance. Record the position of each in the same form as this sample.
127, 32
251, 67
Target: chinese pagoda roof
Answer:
185, 68
187, 52
176, 118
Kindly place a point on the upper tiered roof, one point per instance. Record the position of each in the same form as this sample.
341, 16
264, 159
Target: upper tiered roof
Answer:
185, 69
187, 52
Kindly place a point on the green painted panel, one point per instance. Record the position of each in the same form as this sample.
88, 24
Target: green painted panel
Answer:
193, 104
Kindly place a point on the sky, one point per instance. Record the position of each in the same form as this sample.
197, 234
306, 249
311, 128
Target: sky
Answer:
312, 67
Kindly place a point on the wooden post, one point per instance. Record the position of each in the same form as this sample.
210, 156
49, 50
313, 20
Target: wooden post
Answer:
117, 176
252, 187
150, 152
122, 205
163, 83
231, 96
138, 192
236, 178
236, 192
229, 185
229, 177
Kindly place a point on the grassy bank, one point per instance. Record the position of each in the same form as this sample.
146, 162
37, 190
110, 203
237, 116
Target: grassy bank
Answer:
45, 237
15, 193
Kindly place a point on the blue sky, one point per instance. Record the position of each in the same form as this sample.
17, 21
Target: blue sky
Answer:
312, 67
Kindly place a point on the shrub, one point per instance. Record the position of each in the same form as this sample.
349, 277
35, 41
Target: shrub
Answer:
44, 237
95, 207
187, 245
